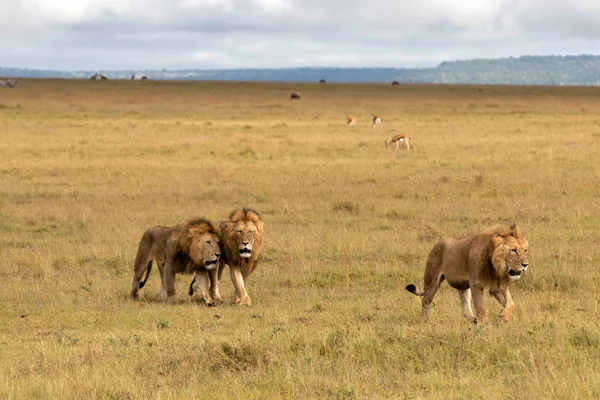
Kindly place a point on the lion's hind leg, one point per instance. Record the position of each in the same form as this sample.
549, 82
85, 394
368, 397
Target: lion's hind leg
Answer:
465, 299
431, 288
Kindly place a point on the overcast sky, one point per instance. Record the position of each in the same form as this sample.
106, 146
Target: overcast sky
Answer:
177, 34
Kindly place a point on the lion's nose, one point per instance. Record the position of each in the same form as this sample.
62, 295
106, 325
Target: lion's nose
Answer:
524, 265
245, 243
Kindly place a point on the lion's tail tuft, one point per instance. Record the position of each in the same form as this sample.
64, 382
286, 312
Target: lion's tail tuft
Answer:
413, 289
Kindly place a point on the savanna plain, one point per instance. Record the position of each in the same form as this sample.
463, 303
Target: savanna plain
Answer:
87, 166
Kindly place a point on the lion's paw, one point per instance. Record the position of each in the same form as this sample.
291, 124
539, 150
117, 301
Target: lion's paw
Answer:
243, 301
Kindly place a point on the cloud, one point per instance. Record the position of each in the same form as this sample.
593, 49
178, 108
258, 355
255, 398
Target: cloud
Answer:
78, 34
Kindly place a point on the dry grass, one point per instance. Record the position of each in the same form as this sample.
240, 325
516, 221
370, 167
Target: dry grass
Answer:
86, 167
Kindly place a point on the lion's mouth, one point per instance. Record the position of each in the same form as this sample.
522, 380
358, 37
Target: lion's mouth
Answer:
245, 253
514, 274
210, 264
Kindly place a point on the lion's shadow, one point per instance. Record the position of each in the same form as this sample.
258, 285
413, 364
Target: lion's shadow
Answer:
154, 298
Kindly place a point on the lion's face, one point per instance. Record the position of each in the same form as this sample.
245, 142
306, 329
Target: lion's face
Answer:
205, 250
244, 234
514, 256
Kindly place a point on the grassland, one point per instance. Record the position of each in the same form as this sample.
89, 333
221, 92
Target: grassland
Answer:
86, 167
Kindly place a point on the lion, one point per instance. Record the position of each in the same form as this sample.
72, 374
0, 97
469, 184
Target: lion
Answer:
191, 247
241, 241
492, 258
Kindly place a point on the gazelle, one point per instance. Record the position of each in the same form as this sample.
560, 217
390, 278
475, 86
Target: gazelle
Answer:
351, 120
399, 138
376, 121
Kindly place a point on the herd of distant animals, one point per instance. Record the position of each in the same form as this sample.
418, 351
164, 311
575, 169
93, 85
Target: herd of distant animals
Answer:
10, 83
400, 138
104, 78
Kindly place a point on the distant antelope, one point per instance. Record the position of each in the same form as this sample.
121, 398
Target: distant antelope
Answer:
376, 121
133, 77
399, 138
144, 78
395, 83
350, 120
295, 96
94, 76
102, 77
322, 81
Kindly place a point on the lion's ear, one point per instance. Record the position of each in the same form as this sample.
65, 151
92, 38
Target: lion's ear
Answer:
516, 231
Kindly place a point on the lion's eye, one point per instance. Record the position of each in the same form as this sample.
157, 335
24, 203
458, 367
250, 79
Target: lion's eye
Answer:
514, 251
208, 242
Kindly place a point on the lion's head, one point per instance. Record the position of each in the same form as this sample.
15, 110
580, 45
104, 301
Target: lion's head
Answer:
243, 234
203, 241
510, 252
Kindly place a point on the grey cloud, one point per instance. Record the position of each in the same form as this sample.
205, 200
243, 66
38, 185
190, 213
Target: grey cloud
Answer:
258, 33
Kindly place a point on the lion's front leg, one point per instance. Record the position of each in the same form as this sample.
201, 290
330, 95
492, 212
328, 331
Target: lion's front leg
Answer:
480, 311
508, 305
203, 281
241, 296
213, 277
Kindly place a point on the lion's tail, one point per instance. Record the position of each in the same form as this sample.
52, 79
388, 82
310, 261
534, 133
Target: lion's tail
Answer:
148, 269
191, 289
413, 289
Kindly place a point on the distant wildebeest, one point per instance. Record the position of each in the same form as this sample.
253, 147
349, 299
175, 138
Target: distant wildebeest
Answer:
395, 83
133, 77
144, 78
399, 138
376, 121
350, 120
322, 81
94, 76
102, 77
295, 96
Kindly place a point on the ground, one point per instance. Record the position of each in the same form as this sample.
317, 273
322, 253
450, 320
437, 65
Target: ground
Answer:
86, 167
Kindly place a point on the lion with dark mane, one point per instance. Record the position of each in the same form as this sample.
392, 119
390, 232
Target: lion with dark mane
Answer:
191, 247
241, 241
491, 259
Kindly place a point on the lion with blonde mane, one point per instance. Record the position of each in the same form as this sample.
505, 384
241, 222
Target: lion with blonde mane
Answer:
242, 237
491, 259
191, 247
241, 241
